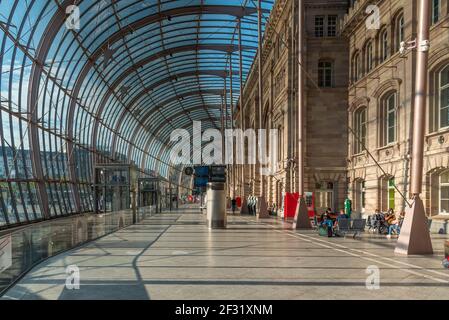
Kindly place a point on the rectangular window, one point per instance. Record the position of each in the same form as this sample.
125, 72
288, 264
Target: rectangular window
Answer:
332, 26
325, 74
319, 26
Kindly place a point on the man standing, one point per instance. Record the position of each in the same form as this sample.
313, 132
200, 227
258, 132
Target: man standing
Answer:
233, 205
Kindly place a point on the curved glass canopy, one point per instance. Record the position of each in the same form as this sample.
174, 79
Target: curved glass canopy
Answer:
110, 89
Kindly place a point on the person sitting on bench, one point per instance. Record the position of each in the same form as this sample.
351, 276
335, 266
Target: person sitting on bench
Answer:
395, 225
340, 217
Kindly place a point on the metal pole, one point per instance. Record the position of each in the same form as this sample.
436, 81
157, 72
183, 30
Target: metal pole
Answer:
263, 209
300, 100
242, 111
226, 126
415, 236
232, 121
420, 99
302, 220
261, 102
223, 106
291, 120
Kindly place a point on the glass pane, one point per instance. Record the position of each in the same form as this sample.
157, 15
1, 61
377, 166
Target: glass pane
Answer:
328, 78
391, 119
445, 177
445, 193
35, 201
3, 205
444, 206
20, 205
391, 203
7, 198
332, 26
444, 111
391, 137
445, 77
392, 102
363, 131
435, 11
391, 183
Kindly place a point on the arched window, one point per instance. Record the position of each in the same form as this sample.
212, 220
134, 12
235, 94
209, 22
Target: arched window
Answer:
444, 192
388, 119
443, 94
356, 69
369, 57
384, 50
399, 31
360, 121
325, 74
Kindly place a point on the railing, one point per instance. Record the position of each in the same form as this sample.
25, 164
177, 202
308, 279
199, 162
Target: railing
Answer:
23, 249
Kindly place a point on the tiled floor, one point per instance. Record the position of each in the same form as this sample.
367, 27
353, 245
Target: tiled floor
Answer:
174, 256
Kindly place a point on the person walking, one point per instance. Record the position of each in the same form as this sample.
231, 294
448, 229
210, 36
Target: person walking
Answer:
233, 205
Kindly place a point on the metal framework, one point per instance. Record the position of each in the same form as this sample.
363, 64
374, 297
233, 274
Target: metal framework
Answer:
111, 91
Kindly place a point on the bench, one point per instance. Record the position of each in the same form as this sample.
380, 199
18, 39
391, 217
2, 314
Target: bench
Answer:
345, 227
358, 226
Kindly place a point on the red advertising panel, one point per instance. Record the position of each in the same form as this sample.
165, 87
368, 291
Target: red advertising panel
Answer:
239, 202
291, 201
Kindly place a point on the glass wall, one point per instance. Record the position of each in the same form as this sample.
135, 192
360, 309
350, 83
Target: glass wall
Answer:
104, 91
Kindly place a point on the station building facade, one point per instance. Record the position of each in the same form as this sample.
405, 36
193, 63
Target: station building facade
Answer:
359, 105
326, 65
381, 105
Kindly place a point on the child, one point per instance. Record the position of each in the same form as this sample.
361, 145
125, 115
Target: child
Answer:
327, 222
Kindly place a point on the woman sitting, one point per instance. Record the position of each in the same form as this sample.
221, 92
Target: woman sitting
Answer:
394, 225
